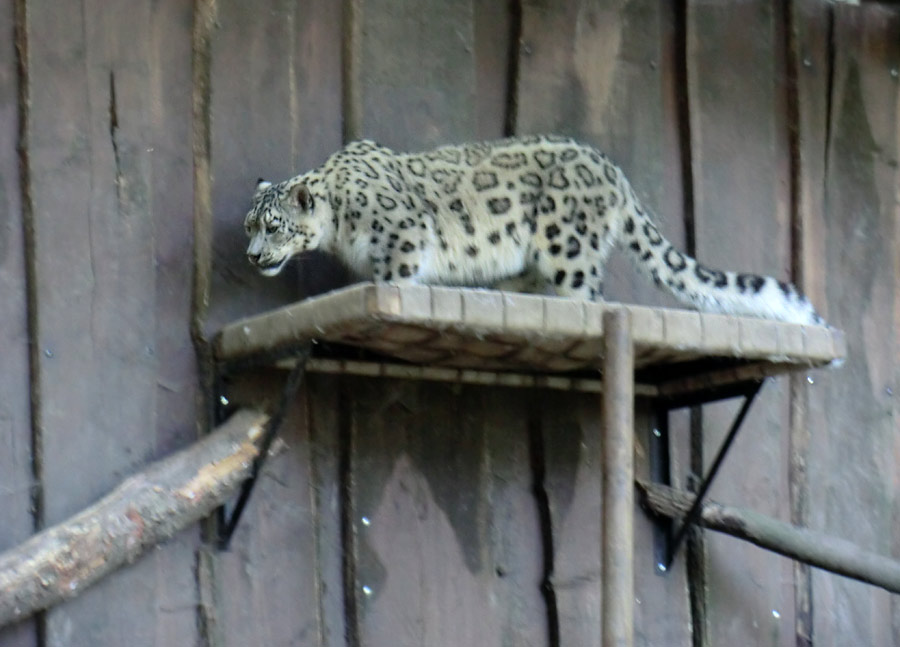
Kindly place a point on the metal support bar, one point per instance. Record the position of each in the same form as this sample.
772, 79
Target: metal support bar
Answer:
618, 481
692, 515
291, 385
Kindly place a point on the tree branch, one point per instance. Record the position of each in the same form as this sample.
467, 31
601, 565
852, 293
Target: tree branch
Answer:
144, 510
804, 545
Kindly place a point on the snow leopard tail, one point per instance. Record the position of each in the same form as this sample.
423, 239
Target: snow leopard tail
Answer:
704, 288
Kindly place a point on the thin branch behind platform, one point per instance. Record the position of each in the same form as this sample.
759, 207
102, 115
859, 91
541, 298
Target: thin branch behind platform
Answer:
144, 510
804, 545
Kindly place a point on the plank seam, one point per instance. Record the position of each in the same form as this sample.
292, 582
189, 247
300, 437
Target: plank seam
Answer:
204, 16
204, 22
307, 397
20, 37
829, 93
792, 103
538, 460
24, 105
683, 117
346, 441
352, 122
207, 615
512, 68
695, 554
798, 440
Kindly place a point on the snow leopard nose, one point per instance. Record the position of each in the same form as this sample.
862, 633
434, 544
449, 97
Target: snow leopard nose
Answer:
253, 258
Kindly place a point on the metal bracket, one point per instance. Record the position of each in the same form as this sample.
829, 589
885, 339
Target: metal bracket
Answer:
291, 385
667, 543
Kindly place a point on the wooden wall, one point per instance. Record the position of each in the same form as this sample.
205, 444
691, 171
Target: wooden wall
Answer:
765, 134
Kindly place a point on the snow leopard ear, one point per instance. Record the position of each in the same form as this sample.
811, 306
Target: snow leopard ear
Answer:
262, 185
301, 197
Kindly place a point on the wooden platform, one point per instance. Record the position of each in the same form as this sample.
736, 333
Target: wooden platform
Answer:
488, 330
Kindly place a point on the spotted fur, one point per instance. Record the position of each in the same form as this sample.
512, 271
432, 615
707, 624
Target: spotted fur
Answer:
543, 211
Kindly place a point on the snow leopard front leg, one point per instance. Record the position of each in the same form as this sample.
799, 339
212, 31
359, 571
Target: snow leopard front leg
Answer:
400, 248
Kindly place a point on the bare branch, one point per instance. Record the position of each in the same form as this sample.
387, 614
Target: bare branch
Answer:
144, 510
804, 545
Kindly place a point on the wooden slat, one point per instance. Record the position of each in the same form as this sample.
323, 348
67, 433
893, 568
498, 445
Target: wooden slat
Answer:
411, 72
571, 431
460, 376
570, 424
853, 415
268, 581
603, 72
16, 475
275, 112
742, 223
809, 37
661, 611
515, 534
445, 535
110, 94
326, 420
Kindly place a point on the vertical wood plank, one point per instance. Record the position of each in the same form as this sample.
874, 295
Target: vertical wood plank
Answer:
853, 411
411, 72
571, 427
496, 27
446, 537
267, 581
110, 109
603, 71
275, 110
326, 402
742, 219
809, 36
662, 614
16, 475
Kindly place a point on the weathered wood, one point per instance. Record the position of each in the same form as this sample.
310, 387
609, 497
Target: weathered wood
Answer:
855, 264
109, 164
516, 531
411, 72
17, 491
603, 72
461, 376
326, 406
146, 509
809, 64
571, 426
275, 537
662, 606
742, 221
274, 114
444, 537
275, 111
811, 547
617, 548
487, 329
495, 33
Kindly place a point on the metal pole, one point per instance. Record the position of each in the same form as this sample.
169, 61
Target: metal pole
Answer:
618, 481
694, 512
